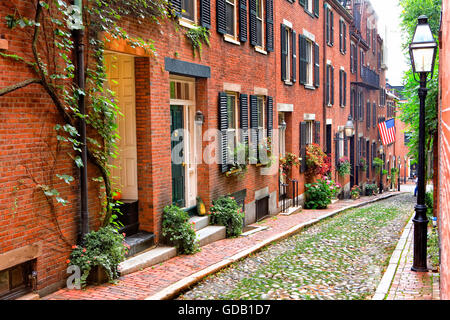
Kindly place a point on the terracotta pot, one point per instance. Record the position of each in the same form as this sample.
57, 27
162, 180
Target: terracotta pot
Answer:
97, 276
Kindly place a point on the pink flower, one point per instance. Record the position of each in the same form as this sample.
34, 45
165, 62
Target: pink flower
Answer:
74, 247
84, 249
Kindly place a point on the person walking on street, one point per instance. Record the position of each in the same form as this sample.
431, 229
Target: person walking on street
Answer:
415, 181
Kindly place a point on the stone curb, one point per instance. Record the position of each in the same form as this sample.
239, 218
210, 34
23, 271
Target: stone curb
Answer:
388, 277
175, 288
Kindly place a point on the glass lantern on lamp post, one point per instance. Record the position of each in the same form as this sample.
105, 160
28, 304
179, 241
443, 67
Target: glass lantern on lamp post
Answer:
422, 52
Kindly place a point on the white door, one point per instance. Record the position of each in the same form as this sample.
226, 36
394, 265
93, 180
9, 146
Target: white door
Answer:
120, 71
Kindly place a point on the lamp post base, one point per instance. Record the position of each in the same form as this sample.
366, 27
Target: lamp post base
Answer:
420, 239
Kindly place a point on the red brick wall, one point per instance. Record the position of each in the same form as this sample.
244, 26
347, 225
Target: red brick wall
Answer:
444, 154
30, 157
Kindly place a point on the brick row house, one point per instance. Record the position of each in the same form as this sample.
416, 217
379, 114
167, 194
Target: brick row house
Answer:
303, 67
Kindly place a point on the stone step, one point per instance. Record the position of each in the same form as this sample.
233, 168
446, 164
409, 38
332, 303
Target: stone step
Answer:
146, 259
200, 222
210, 234
139, 242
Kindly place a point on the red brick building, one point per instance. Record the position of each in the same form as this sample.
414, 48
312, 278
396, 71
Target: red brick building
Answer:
269, 62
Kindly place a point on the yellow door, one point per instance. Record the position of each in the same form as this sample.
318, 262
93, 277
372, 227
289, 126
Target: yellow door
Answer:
120, 71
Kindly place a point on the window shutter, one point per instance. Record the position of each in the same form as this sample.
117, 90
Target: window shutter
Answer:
253, 39
221, 17
345, 88
356, 59
345, 36
223, 126
205, 13
243, 20
176, 7
316, 66
341, 36
336, 149
283, 52
368, 115
269, 116
327, 89
269, 25
352, 66
302, 3
341, 87
332, 84
317, 132
243, 114
303, 146
331, 27
303, 61
253, 148
316, 8
327, 24
294, 56
374, 115
345, 145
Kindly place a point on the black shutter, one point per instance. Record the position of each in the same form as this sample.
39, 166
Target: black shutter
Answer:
221, 17
303, 146
327, 84
253, 38
243, 99
336, 149
176, 7
316, 66
254, 126
356, 59
332, 85
269, 116
331, 27
223, 126
345, 145
352, 58
341, 36
374, 115
205, 13
294, 56
345, 36
302, 2
345, 88
327, 24
317, 132
316, 8
269, 25
341, 87
283, 51
303, 61
368, 115
243, 20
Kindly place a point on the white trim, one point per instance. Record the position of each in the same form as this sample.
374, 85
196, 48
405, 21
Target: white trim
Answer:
287, 23
342, 68
309, 116
260, 50
329, 121
285, 107
329, 62
232, 87
261, 91
231, 39
309, 35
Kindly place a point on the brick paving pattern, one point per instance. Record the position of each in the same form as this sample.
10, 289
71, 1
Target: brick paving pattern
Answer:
149, 281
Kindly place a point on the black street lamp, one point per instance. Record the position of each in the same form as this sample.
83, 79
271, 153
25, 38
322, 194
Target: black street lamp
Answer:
422, 51
399, 170
381, 151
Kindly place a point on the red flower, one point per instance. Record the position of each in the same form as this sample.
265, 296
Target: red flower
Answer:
124, 234
67, 261
84, 249
74, 247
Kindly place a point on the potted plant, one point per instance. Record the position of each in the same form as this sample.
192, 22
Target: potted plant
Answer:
343, 166
355, 192
378, 164
178, 231
240, 156
226, 211
363, 164
371, 189
316, 161
318, 194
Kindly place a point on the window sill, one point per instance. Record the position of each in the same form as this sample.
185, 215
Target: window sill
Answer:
310, 87
330, 44
187, 23
309, 13
231, 39
260, 50
343, 52
329, 105
288, 83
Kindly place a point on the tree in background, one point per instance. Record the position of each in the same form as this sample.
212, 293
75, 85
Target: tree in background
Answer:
409, 111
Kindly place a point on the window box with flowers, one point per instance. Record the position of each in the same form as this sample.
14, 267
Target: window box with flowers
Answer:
343, 166
240, 156
287, 162
363, 164
316, 161
266, 158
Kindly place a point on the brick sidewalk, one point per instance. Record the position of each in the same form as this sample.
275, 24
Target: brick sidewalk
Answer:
184, 270
410, 285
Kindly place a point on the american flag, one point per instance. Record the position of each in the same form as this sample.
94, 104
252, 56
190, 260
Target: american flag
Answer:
387, 131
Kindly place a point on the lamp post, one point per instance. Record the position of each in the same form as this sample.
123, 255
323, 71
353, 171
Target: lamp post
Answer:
422, 52
349, 128
405, 177
381, 151
399, 168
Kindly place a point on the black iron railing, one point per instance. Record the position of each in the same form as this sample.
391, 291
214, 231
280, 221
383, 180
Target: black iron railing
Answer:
370, 78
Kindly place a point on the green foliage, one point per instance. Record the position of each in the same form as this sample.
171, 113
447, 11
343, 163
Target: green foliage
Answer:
289, 161
371, 189
363, 164
384, 172
429, 200
197, 36
178, 230
408, 112
318, 194
316, 161
105, 248
378, 164
355, 192
433, 247
344, 166
225, 211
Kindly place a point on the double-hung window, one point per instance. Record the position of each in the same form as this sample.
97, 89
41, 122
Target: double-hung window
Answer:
342, 36
231, 18
309, 61
329, 17
260, 23
342, 88
232, 116
288, 54
330, 85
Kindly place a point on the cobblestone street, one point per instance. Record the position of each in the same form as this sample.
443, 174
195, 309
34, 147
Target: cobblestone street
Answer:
343, 257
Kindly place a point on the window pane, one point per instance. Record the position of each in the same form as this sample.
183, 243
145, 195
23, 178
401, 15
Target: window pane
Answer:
4, 282
172, 90
258, 32
186, 91
230, 18
17, 277
188, 7
260, 112
259, 8
231, 113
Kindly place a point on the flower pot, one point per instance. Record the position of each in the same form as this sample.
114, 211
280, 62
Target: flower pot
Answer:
233, 172
97, 276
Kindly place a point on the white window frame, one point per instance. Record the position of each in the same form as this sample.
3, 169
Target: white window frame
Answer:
233, 38
289, 40
186, 22
309, 132
235, 130
310, 63
261, 48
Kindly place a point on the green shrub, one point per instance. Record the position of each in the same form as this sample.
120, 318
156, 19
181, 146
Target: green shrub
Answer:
377, 163
371, 189
225, 211
355, 192
104, 248
429, 204
178, 230
318, 194
344, 166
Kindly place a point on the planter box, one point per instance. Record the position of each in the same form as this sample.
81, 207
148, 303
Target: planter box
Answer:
97, 276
